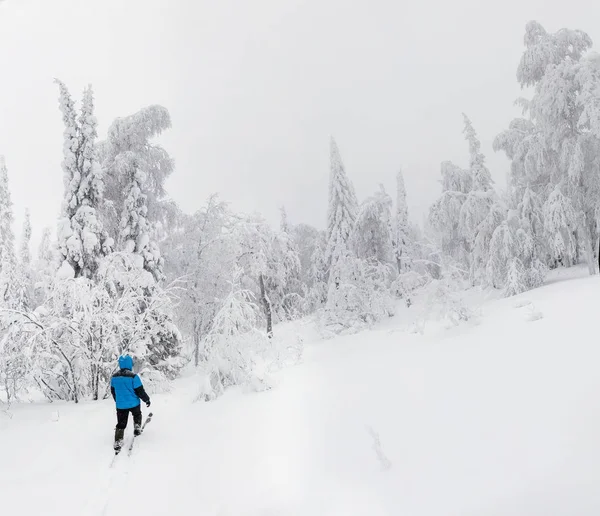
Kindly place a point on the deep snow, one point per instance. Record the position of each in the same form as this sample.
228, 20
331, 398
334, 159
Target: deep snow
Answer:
495, 418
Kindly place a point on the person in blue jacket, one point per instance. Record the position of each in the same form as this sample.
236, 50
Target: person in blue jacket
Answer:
127, 391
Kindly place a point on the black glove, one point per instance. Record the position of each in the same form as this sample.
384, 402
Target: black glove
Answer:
148, 403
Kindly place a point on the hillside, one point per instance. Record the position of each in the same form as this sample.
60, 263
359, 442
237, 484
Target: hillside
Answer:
498, 417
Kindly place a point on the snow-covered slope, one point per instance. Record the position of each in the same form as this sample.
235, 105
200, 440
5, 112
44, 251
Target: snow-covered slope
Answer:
497, 418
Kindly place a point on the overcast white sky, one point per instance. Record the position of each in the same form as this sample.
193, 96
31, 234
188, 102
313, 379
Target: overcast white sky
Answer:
256, 87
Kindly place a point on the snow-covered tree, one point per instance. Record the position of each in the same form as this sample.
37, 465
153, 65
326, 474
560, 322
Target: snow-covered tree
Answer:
401, 227
24, 279
478, 215
135, 229
306, 239
25, 249
341, 213
513, 265
554, 149
371, 237
362, 296
444, 299
496, 214
12, 365
7, 239
235, 350
516, 278
560, 223
482, 179
284, 225
137, 208
82, 239
444, 214
317, 290
199, 259
75, 337
269, 261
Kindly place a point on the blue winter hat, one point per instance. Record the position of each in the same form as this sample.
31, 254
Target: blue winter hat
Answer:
126, 362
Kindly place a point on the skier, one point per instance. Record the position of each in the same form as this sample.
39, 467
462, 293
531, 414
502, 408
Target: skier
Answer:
127, 390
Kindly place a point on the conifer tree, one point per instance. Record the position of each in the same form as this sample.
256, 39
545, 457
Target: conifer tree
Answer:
25, 251
82, 240
482, 179
341, 214
402, 229
8, 262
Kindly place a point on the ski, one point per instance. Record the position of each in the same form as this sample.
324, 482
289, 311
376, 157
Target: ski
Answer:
117, 452
148, 419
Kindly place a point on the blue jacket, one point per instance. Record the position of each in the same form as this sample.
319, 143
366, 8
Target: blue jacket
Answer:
126, 386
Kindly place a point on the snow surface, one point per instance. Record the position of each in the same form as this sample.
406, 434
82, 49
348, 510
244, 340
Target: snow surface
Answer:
499, 417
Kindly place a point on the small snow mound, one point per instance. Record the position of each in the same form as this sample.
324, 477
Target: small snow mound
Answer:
521, 303
535, 316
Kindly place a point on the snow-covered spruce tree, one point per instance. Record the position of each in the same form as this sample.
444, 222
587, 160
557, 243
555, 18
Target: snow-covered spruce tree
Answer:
404, 245
362, 294
306, 239
284, 225
482, 179
82, 239
25, 248
293, 303
401, 227
134, 234
12, 359
7, 238
44, 267
341, 213
24, 273
45, 254
317, 283
478, 212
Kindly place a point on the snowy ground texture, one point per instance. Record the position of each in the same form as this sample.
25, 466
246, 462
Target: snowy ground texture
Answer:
496, 418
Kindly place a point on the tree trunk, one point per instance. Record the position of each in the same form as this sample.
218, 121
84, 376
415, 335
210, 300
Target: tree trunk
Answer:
6, 387
589, 251
266, 305
196, 343
97, 382
94, 384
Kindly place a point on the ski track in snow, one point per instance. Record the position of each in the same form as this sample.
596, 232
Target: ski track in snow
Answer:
498, 418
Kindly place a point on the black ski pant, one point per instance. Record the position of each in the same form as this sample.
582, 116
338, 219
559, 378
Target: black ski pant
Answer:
123, 416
